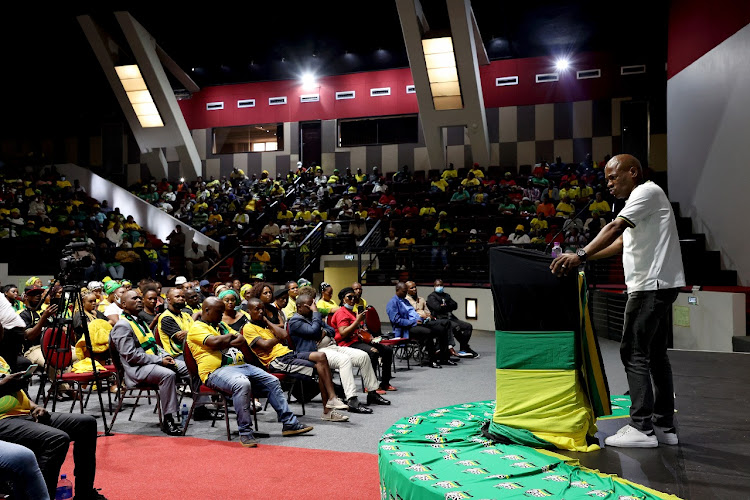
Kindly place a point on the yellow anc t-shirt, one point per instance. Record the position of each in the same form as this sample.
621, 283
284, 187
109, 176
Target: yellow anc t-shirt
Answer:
207, 359
253, 332
184, 321
13, 404
360, 306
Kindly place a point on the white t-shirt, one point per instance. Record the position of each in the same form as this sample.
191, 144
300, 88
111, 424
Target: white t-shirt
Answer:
112, 309
651, 253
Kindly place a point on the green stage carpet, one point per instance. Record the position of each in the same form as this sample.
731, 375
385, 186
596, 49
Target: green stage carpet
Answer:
442, 454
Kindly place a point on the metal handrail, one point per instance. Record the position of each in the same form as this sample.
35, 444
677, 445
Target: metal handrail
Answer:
313, 242
375, 234
252, 225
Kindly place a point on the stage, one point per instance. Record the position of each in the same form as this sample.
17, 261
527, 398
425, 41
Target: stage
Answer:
713, 421
712, 460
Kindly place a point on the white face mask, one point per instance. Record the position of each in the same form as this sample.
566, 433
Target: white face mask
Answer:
348, 306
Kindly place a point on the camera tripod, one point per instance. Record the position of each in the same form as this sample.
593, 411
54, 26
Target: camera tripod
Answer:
57, 341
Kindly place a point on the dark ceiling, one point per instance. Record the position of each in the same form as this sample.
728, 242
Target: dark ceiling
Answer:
53, 80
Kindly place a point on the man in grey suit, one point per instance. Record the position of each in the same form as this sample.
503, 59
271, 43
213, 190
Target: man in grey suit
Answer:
144, 361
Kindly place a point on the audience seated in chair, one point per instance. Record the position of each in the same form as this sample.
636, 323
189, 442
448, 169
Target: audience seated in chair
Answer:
220, 355
267, 341
310, 333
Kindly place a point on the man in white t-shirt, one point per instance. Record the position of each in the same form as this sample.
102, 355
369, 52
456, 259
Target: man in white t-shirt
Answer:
645, 232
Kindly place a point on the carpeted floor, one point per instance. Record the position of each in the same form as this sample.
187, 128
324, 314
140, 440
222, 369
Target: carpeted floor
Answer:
130, 466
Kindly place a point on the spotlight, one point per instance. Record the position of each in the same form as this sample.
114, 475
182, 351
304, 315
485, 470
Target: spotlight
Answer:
562, 64
308, 80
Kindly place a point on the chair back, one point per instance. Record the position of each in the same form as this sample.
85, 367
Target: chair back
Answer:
115, 355
372, 321
156, 332
56, 347
189, 359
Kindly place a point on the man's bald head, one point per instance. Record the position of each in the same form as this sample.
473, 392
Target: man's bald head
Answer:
213, 308
627, 163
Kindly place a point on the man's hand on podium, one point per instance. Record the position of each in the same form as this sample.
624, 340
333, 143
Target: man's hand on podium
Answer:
563, 264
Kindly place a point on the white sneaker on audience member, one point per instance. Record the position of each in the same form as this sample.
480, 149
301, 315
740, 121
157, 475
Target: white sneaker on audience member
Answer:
336, 404
666, 435
334, 416
630, 437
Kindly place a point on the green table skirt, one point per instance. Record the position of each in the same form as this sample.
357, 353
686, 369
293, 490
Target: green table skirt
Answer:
442, 454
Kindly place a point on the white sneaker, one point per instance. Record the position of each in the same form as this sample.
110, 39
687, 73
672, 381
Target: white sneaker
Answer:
666, 435
630, 437
334, 416
336, 404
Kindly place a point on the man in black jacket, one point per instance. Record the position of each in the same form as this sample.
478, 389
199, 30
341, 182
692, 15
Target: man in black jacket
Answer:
441, 305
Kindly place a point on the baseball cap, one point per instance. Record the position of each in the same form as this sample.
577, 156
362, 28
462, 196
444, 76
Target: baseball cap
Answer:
95, 285
473, 231
204, 283
180, 280
111, 286
33, 289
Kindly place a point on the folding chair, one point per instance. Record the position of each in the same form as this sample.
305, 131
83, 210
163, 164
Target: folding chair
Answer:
140, 387
399, 345
192, 366
56, 348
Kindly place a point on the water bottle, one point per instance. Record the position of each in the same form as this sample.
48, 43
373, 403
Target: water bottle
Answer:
556, 250
184, 415
64, 488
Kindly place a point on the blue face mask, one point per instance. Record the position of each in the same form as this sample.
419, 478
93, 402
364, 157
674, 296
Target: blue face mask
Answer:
349, 306
439, 289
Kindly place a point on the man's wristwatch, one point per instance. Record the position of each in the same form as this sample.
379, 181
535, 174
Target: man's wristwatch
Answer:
581, 253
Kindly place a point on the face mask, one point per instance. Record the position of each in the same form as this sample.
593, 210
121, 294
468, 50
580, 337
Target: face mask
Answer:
348, 306
498, 234
439, 289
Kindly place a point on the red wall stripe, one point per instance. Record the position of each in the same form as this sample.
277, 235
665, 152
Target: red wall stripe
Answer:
697, 26
527, 92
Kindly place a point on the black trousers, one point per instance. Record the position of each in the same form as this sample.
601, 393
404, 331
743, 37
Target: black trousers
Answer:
462, 332
375, 351
643, 351
439, 330
50, 445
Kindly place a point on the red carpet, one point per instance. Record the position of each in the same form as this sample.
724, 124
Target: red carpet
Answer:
192, 468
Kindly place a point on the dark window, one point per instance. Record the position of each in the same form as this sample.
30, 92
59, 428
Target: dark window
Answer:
382, 130
248, 139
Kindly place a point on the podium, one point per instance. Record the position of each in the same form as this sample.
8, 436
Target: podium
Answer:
550, 382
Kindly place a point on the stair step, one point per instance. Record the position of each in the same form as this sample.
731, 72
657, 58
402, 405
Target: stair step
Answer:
676, 208
741, 343
684, 225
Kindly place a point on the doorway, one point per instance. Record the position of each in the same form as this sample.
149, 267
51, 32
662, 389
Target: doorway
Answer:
634, 123
309, 143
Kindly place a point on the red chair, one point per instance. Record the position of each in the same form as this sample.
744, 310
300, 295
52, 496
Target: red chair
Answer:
192, 366
56, 348
401, 347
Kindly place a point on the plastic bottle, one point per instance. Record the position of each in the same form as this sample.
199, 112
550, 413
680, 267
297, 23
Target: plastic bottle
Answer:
556, 250
184, 415
64, 488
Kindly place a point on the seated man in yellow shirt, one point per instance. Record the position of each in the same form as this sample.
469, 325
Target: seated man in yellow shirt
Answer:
564, 208
477, 171
600, 205
265, 340
449, 173
221, 366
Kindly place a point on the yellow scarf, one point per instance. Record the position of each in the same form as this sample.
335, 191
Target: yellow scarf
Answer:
144, 334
